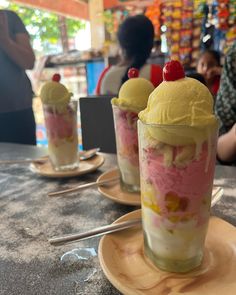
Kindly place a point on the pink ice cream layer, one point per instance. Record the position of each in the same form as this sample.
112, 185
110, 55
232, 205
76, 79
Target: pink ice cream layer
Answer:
59, 125
189, 186
127, 136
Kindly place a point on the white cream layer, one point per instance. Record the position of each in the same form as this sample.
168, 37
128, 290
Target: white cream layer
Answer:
64, 153
182, 242
130, 173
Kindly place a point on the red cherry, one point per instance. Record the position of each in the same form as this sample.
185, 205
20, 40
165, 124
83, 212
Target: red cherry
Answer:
56, 77
133, 73
173, 70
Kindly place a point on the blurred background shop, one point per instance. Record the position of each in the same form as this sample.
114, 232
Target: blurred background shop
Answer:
77, 38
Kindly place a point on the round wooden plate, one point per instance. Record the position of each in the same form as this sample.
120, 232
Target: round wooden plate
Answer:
114, 192
85, 166
122, 259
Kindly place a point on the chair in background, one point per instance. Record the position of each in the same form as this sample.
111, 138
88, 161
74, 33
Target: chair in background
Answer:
97, 125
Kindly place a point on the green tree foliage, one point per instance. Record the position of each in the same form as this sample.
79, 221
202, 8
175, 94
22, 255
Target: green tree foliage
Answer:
43, 26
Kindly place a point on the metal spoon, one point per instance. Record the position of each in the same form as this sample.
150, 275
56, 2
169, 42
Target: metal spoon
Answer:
83, 155
58, 241
82, 186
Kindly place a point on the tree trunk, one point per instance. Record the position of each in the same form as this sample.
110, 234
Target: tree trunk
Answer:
63, 33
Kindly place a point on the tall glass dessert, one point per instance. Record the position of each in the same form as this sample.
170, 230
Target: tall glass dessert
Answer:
132, 98
177, 141
60, 114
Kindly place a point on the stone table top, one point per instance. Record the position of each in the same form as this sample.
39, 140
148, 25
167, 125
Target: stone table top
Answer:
29, 265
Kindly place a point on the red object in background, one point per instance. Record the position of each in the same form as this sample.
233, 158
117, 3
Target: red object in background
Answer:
56, 77
223, 14
173, 70
133, 73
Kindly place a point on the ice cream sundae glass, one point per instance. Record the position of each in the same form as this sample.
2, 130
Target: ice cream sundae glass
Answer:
132, 98
60, 114
177, 144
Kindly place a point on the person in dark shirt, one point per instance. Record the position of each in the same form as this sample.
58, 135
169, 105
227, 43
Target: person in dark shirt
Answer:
198, 77
17, 123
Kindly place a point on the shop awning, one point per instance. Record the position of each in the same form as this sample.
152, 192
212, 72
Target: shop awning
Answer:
78, 8
137, 3
72, 8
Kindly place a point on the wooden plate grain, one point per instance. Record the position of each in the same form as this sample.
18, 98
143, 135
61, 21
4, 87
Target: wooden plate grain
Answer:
123, 261
85, 166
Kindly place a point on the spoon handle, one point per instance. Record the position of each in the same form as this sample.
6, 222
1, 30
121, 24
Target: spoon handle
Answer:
84, 155
57, 241
25, 161
82, 186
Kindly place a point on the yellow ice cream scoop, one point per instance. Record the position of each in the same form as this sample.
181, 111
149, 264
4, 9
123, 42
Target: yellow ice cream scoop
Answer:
134, 93
179, 100
183, 102
54, 93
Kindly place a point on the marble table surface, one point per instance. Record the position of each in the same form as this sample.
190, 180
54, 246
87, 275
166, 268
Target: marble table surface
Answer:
28, 217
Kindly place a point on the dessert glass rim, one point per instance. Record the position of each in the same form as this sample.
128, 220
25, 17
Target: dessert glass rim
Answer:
212, 123
55, 104
125, 108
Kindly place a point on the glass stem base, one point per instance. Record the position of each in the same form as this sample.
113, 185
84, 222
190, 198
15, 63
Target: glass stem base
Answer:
66, 167
172, 265
131, 188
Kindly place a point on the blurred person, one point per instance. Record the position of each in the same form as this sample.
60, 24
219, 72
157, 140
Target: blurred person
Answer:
135, 36
226, 146
225, 109
17, 123
209, 67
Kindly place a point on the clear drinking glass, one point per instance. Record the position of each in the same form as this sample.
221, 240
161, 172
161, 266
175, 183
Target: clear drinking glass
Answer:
177, 166
62, 135
127, 148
